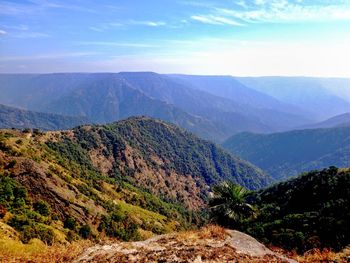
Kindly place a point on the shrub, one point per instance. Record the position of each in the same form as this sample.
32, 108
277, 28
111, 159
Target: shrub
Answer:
70, 223
42, 207
39, 231
3, 211
11, 164
85, 231
26, 130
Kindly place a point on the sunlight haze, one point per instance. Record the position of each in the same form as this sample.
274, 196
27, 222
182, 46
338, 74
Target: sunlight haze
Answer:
242, 38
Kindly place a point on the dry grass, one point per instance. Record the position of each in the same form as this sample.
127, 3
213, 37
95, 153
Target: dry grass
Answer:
317, 255
324, 256
13, 251
207, 232
212, 232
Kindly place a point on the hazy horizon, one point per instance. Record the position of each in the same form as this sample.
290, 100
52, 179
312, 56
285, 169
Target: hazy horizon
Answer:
237, 38
176, 73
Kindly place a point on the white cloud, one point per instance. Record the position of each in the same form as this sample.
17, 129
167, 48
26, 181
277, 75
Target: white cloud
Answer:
215, 20
112, 25
35, 6
147, 23
285, 11
2, 32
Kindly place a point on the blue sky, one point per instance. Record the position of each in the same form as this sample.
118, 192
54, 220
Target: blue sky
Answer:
235, 37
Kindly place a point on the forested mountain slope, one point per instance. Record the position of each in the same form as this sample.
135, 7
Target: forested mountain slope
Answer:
11, 117
127, 180
310, 211
289, 153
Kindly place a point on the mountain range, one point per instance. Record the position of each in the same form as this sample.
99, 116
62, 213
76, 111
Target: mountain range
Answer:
287, 154
342, 120
321, 98
214, 111
11, 117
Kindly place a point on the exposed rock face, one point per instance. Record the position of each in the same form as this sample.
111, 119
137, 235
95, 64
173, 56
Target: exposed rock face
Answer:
211, 244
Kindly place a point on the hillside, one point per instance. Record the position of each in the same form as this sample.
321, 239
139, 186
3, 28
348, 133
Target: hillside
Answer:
289, 153
108, 97
309, 211
126, 180
165, 154
17, 118
342, 120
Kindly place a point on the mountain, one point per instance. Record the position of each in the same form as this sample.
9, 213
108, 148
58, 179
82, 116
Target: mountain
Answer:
254, 105
230, 88
338, 86
289, 153
35, 91
107, 97
342, 120
125, 180
17, 118
310, 211
313, 95
159, 155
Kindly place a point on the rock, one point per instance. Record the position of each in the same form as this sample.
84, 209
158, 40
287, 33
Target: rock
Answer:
195, 246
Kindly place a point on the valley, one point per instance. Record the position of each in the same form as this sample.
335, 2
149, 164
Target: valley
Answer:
174, 131
148, 158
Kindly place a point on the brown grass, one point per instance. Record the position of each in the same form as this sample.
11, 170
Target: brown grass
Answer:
12, 251
207, 232
212, 232
324, 256
317, 255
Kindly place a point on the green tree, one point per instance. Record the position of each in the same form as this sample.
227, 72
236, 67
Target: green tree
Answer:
228, 204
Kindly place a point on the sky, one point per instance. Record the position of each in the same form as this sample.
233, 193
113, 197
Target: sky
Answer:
213, 37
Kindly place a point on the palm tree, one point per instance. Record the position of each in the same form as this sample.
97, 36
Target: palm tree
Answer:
228, 204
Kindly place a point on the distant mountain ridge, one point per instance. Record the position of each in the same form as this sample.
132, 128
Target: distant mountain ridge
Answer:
287, 154
11, 117
229, 87
342, 120
322, 98
107, 97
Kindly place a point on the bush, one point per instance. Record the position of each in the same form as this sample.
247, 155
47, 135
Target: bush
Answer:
12, 195
26, 130
11, 164
42, 208
70, 223
119, 226
3, 211
39, 231
85, 231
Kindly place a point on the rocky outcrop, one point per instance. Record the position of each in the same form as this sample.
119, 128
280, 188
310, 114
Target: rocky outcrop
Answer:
211, 244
